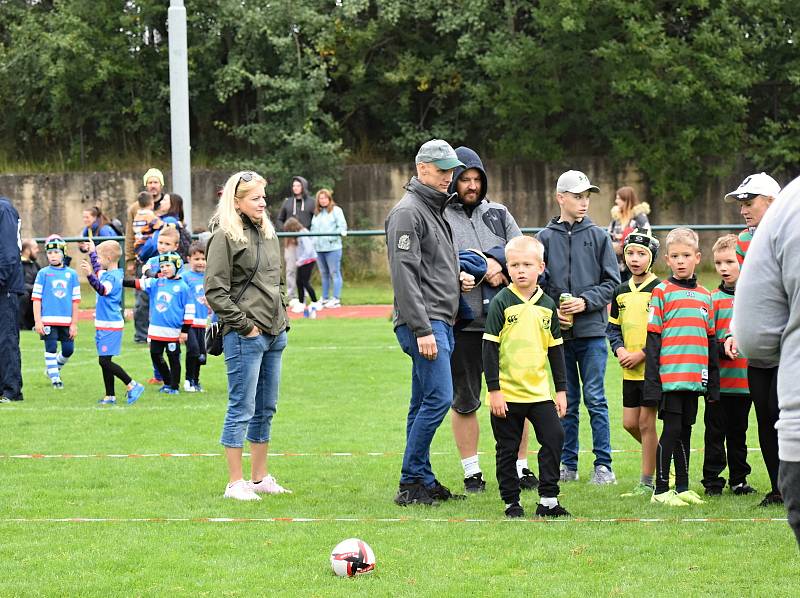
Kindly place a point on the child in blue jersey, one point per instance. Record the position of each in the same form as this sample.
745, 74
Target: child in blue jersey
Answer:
196, 341
105, 277
56, 295
171, 314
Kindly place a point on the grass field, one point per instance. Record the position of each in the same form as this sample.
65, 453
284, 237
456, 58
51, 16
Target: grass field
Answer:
345, 390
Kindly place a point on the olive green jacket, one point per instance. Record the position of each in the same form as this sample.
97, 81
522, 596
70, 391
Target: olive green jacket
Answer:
229, 264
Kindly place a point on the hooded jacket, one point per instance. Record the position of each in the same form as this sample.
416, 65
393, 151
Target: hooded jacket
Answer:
301, 208
485, 227
10, 246
580, 260
422, 259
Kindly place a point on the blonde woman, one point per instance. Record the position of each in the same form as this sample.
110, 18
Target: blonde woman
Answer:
243, 244
329, 218
627, 215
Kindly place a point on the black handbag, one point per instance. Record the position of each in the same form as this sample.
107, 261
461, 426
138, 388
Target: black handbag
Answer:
214, 330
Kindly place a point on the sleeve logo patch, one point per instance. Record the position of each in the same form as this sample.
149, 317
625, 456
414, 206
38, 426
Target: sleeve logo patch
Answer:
546, 321
404, 242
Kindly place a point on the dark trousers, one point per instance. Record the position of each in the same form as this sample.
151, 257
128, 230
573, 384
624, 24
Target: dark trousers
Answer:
508, 433
10, 361
763, 384
726, 428
111, 369
789, 480
171, 375
678, 412
466, 366
195, 353
141, 312
304, 282
26, 321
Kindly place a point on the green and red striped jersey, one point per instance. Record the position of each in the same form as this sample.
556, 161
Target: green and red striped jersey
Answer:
732, 372
743, 243
685, 319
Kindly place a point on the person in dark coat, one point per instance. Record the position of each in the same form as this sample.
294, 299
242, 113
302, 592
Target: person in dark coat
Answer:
11, 286
30, 268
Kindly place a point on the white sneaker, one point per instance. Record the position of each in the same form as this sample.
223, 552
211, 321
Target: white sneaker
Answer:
294, 301
318, 305
298, 307
188, 387
240, 491
333, 303
268, 486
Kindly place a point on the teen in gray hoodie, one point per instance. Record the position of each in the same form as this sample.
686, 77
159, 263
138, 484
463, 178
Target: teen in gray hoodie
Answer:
580, 260
299, 205
766, 325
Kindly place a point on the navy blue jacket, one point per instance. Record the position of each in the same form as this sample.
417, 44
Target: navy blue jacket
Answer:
11, 280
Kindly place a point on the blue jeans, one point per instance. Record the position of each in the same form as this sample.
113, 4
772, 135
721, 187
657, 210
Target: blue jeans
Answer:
329, 263
587, 355
254, 375
431, 398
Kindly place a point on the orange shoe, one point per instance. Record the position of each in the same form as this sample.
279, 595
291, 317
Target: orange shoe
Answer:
155, 381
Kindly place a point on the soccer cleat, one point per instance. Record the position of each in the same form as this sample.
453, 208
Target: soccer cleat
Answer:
603, 475
58, 384
556, 511
474, 483
528, 480
568, 475
268, 486
107, 401
240, 491
743, 489
134, 393
414, 494
639, 489
713, 491
4, 399
515, 511
771, 500
442, 493
668, 498
155, 381
189, 387
198, 387
168, 390
690, 497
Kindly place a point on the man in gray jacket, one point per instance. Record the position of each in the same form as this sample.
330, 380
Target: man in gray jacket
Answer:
425, 278
478, 224
581, 264
766, 325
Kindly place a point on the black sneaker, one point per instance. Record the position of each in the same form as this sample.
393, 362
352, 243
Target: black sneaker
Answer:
528, 481
771, 499
515, 511
713, 491
442, 493
556, 511
414, 494
743, 489
474, 483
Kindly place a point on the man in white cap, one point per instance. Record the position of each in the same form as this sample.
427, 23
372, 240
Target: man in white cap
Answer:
582, 267
425, 276
755, 196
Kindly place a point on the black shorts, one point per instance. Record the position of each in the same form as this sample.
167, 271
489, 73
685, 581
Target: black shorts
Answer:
633, 395
681, 402
466, 366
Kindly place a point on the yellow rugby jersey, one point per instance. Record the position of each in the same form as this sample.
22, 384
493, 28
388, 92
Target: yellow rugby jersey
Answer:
525, 330
630, 307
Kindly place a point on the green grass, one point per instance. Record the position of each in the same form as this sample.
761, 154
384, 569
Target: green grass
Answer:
345, 389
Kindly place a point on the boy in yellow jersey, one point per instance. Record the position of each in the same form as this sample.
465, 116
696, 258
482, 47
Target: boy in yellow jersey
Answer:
627, 334
522, 334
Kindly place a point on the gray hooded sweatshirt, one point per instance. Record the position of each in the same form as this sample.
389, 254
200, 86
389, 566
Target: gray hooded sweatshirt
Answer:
766, 314
301, 208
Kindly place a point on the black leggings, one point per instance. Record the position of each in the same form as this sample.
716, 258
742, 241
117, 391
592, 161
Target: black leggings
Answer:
171, 375
195, 353
111, 369
763, 384
304, 282
674, 444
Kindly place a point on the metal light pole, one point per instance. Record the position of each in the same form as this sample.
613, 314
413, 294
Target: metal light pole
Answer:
179, 106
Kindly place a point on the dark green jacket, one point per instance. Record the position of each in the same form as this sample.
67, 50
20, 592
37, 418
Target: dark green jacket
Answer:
229, 264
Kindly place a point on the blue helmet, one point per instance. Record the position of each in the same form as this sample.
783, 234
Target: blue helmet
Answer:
171, 257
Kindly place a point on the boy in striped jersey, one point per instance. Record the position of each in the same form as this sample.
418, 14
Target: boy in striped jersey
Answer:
726, 420
681, 363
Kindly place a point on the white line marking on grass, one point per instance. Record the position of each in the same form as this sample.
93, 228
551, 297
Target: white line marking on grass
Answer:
572, 520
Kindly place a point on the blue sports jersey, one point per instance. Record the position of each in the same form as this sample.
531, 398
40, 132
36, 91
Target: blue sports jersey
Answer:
171, 306
108, 313
57, 289
195, 282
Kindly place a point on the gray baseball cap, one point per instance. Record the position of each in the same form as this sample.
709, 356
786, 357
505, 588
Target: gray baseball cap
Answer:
574, 181
439, 153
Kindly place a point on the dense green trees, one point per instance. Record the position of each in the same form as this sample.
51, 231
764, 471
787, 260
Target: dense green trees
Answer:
681, 89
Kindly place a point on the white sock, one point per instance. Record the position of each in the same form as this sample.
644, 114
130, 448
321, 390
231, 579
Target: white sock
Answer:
548, 502
521, 464
471, 466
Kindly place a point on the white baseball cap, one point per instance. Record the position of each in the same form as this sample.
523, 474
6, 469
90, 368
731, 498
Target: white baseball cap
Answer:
755, 184
574, 181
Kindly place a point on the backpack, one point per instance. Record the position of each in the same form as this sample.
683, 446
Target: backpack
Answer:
117, 226
184, 242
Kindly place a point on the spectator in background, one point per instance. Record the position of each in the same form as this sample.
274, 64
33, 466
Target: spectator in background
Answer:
30, 268
301, 206
329, 218
305, 257
627, 215
11, 285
